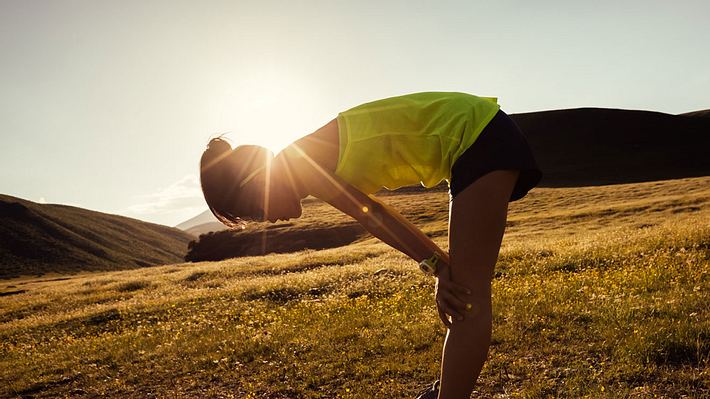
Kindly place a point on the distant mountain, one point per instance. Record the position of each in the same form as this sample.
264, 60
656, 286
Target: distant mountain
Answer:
594, 146
202, 218
42, 238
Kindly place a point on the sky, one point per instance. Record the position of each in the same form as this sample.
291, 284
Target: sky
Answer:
108, 105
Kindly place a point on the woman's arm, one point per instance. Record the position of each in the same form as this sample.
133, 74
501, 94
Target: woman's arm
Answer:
382, 221
385, 223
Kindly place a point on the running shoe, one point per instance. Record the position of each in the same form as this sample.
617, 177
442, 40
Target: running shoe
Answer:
431, 392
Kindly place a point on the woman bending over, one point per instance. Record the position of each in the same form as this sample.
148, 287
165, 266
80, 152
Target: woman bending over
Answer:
419, 138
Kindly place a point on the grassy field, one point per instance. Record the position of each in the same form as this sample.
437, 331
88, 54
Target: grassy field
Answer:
600, 292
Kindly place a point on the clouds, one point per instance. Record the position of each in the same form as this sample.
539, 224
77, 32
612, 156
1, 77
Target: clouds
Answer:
170, 205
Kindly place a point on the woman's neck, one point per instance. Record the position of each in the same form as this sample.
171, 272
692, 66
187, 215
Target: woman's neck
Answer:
319, 149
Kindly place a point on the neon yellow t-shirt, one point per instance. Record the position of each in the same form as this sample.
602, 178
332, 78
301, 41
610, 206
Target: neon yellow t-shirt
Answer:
410, 139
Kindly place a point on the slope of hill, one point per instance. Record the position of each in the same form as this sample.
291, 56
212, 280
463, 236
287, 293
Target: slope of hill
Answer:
43, 238
703, 113
205, 228
320, 226
595, 146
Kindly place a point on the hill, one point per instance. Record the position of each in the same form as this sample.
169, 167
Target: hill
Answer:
205, 228
320, 226
596, 146
599, 292
704, 113
46, 238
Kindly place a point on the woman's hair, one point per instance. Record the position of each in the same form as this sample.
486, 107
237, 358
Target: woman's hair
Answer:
221, 170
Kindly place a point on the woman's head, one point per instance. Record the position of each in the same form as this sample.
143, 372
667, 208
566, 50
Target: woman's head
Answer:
240, 184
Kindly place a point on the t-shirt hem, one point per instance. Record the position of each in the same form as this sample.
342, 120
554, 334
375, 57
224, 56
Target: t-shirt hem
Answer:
479, 128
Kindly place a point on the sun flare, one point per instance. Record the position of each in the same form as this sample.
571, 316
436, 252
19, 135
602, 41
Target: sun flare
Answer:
271, 108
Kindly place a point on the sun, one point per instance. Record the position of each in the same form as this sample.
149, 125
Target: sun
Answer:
271, 108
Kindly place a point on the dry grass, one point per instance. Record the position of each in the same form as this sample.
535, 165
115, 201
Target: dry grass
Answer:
39, 239
599, 292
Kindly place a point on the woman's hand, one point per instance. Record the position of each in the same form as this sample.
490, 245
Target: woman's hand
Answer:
448, 296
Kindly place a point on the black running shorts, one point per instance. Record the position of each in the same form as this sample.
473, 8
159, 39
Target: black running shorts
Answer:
500, 146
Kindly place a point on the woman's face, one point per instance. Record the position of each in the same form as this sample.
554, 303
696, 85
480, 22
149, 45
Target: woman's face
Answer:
283, 203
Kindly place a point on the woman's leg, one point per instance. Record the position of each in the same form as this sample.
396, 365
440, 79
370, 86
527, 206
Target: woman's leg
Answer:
477, 219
